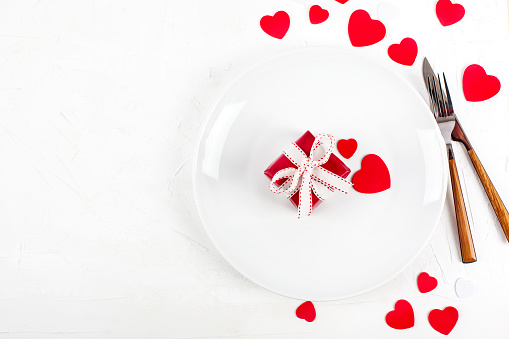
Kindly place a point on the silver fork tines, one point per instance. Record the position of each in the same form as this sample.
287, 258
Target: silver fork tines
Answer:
450, 109
440, 100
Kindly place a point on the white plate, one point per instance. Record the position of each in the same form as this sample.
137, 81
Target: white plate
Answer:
351, 243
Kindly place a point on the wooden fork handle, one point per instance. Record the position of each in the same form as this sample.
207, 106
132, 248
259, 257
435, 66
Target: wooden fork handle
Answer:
496, 202
465, 236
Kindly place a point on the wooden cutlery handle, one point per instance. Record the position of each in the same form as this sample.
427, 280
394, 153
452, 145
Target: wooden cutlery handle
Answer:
496, 202
465, 237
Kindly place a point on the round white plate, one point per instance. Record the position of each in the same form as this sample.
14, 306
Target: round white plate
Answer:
351, 243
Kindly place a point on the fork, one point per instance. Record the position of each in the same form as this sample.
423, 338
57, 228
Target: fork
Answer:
459, 135
441, 107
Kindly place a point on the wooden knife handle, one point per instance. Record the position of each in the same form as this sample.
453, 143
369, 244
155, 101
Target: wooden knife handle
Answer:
465, 236
496, 202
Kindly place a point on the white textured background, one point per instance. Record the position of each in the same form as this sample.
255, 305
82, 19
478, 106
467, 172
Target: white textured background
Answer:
101, 104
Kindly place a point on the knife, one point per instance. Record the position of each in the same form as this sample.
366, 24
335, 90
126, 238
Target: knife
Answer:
446, 119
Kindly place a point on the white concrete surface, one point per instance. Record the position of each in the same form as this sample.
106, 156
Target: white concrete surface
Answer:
101, 105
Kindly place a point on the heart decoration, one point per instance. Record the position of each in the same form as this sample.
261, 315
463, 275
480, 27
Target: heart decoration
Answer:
465, 288
306, 311
426, 283
373, 177
317, 14
477, 85
449, 13
342, 1
347, 148
364, 31
404, 53
277, 25
443, 321
402, 317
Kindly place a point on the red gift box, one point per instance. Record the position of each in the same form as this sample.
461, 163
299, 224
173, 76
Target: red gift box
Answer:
305, 142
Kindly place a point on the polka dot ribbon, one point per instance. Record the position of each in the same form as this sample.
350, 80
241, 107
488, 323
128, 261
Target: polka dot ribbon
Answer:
309, 176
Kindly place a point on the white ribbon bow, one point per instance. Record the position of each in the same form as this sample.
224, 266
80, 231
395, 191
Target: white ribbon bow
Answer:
309, 176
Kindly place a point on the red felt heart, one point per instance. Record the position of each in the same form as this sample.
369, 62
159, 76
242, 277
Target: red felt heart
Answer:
477, 85
364, 31
306, 311
443, 321
277, 25
404, 53
317, 14
347, 148
342, 1
426, 283
373, 177
402, 317
449, 13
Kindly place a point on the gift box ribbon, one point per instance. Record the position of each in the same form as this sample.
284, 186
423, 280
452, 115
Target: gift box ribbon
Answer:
309, 176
